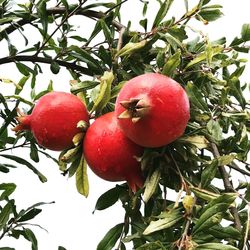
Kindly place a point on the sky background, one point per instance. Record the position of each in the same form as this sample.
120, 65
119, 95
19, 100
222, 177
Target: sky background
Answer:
70, 221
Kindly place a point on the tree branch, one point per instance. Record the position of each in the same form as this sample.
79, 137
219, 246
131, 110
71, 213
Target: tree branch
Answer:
35, 59
54, 11
234, 166
228, 186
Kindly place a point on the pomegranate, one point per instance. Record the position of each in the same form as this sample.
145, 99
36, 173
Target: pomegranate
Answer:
152, 110
54, 119
110, 154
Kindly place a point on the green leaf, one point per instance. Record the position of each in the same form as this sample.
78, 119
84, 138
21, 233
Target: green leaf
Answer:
214, 129
108, 198
65, 3
130, 48
82, 183
106, 31
225, 232
225, 159
6, 248
211, 214
5, 214
235, 90
21, 84
34, 152
169, 220
199, 141
43, 16
209, 173
165, 6
9, 119
151, 184
8, 188
215, 246
204, 194
104, 94
21, 161
86, 57
110, 239
210, 14
83, 86
61, 248
203, 56
172, 63
24, 69
30, 236
30, 214
245, 32
196, 96
54, 67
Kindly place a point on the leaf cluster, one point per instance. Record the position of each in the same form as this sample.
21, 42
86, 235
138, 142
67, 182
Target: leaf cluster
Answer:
209, 209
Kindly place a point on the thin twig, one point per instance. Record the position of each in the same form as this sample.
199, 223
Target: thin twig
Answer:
14, 147
234, 166
54, 11
59, 26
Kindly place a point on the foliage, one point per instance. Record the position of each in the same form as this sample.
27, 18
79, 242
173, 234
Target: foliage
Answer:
204, 214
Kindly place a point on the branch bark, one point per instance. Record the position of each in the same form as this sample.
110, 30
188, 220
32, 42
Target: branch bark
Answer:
35, 59
228, 186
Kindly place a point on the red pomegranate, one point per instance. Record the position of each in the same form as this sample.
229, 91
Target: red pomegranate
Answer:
152, 110
54, 119
110, 154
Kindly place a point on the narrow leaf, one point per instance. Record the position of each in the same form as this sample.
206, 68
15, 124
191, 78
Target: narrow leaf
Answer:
151, 184
27, 164
165, 6
108, 198
82, 183
245, 32
30, 214
110, 239
130, 48
215, 246
32, 238
21, 84
196, 96
104, 93
171, 218
5, 214
8, 189
172, 63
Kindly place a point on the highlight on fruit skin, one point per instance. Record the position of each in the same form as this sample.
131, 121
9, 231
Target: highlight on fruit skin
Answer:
152, 110
110, 154
54, 120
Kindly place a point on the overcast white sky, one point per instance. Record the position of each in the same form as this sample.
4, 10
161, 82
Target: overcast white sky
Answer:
70, 221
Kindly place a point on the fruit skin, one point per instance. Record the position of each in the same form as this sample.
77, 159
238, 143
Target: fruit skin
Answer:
54, 119
110, 154
163, 110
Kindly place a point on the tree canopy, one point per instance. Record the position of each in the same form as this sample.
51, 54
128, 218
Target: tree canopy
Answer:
211, 208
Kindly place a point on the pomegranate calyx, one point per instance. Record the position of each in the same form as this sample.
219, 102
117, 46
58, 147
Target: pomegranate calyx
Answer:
135, 109
23, 122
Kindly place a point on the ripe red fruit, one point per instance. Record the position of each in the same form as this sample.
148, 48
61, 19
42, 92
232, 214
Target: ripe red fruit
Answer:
152, 110
110, 154
54, 119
